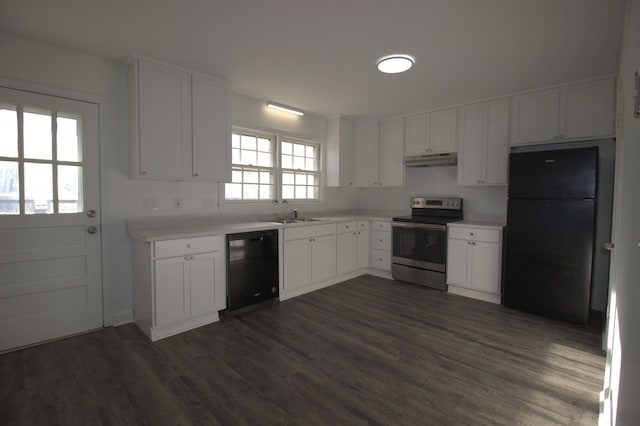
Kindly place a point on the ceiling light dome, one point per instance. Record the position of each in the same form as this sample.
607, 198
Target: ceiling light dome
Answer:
394, 64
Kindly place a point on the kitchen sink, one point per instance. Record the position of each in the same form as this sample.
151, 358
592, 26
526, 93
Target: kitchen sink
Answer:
299, 220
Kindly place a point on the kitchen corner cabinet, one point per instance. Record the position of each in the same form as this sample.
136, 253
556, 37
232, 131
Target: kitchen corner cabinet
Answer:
575, 111
431, 132
309, 255
178, 284
378, 153
474, 261
340, 150
352, 246
483, 150
180, 123
381, 245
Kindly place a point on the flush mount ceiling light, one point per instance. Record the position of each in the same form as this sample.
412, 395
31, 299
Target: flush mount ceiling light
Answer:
394, 64
285, 108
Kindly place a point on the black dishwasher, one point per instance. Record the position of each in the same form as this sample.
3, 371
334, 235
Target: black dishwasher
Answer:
252, 268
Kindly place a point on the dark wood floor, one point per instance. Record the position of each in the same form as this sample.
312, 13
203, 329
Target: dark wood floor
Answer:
367, 351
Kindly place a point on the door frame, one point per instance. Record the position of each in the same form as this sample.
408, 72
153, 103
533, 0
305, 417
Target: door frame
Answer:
103, 104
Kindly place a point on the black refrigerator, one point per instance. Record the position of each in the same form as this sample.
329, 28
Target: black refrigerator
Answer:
549, 243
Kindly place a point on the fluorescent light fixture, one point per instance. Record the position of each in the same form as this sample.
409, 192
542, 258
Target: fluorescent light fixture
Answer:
394, 64
285, 108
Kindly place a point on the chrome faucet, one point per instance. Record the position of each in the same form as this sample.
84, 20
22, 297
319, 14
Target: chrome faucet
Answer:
294, 213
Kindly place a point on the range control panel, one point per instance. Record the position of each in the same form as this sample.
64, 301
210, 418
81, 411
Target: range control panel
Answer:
436, 203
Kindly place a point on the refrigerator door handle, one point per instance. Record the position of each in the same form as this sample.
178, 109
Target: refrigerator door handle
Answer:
608, 246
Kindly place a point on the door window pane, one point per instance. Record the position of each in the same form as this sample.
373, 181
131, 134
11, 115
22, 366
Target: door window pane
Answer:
69, 147
8, 133
69, 189
9, 188
38, 188
37, 135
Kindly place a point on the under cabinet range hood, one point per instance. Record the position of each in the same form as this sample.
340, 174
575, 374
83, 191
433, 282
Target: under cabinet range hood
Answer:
431, 160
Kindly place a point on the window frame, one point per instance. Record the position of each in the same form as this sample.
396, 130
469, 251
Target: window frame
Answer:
277, 139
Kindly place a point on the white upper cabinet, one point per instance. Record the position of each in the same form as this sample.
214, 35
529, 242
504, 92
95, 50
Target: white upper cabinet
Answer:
378, 153
443, 127
431, 132
180, 123
160, 122
367, 153
577, 111
484, 143
588, 109
340, 148
211, 129
391, 152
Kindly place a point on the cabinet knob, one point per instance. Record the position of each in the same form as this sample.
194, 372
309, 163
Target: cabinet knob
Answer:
189, 245
143, 173
347, 227
470, 233
196, 175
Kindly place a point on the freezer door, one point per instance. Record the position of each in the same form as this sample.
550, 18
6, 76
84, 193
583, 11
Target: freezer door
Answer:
549, 251
565, 173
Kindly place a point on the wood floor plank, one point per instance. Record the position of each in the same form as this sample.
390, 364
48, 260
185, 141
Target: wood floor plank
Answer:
368, 351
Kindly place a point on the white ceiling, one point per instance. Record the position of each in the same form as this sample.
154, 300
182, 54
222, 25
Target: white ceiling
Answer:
320, 55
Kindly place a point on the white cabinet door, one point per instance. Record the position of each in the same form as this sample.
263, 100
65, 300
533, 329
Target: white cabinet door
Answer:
204, 271
297, 263
391, 152
457, 262
347, 252
443, 127
536, 117
323, 258
417, 129
171, 290
211, 129
362, 260
496, 143
472, 119
588, 109
485, 261
161, 130
367, 154
340, 150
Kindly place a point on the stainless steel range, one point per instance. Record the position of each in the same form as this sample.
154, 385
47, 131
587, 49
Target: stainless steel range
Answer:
419, 253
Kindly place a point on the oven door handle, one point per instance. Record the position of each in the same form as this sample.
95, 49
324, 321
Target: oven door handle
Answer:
419, 226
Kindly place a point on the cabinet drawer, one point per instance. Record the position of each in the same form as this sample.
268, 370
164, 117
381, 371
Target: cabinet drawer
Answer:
363, 225
381, 259
300, 232
346, 227
379, 225
381, 240
184, 246
475, 234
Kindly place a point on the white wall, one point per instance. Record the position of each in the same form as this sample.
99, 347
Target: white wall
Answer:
479, 202
622, 377
57, 71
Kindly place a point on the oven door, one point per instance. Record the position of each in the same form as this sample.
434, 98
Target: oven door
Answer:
420, 245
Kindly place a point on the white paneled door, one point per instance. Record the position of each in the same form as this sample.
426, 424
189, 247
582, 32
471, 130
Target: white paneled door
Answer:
50, 273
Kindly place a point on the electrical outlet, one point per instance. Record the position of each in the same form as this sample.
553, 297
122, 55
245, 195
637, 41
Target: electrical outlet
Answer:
177, 203
208, 203
150, 203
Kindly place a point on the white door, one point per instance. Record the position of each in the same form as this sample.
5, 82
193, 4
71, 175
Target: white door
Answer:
346, 253
172, 290
50, 277
323, 258
297, 266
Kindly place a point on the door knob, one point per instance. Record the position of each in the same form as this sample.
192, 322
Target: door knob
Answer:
92, 213
92, 229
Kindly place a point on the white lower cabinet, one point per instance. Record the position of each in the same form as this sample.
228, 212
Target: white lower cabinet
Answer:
309, 255
352, 246
381, 245
474, 261
178, 287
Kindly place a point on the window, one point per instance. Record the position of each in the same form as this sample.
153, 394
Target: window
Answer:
252, 171
40, 162
299, 163
258, 174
